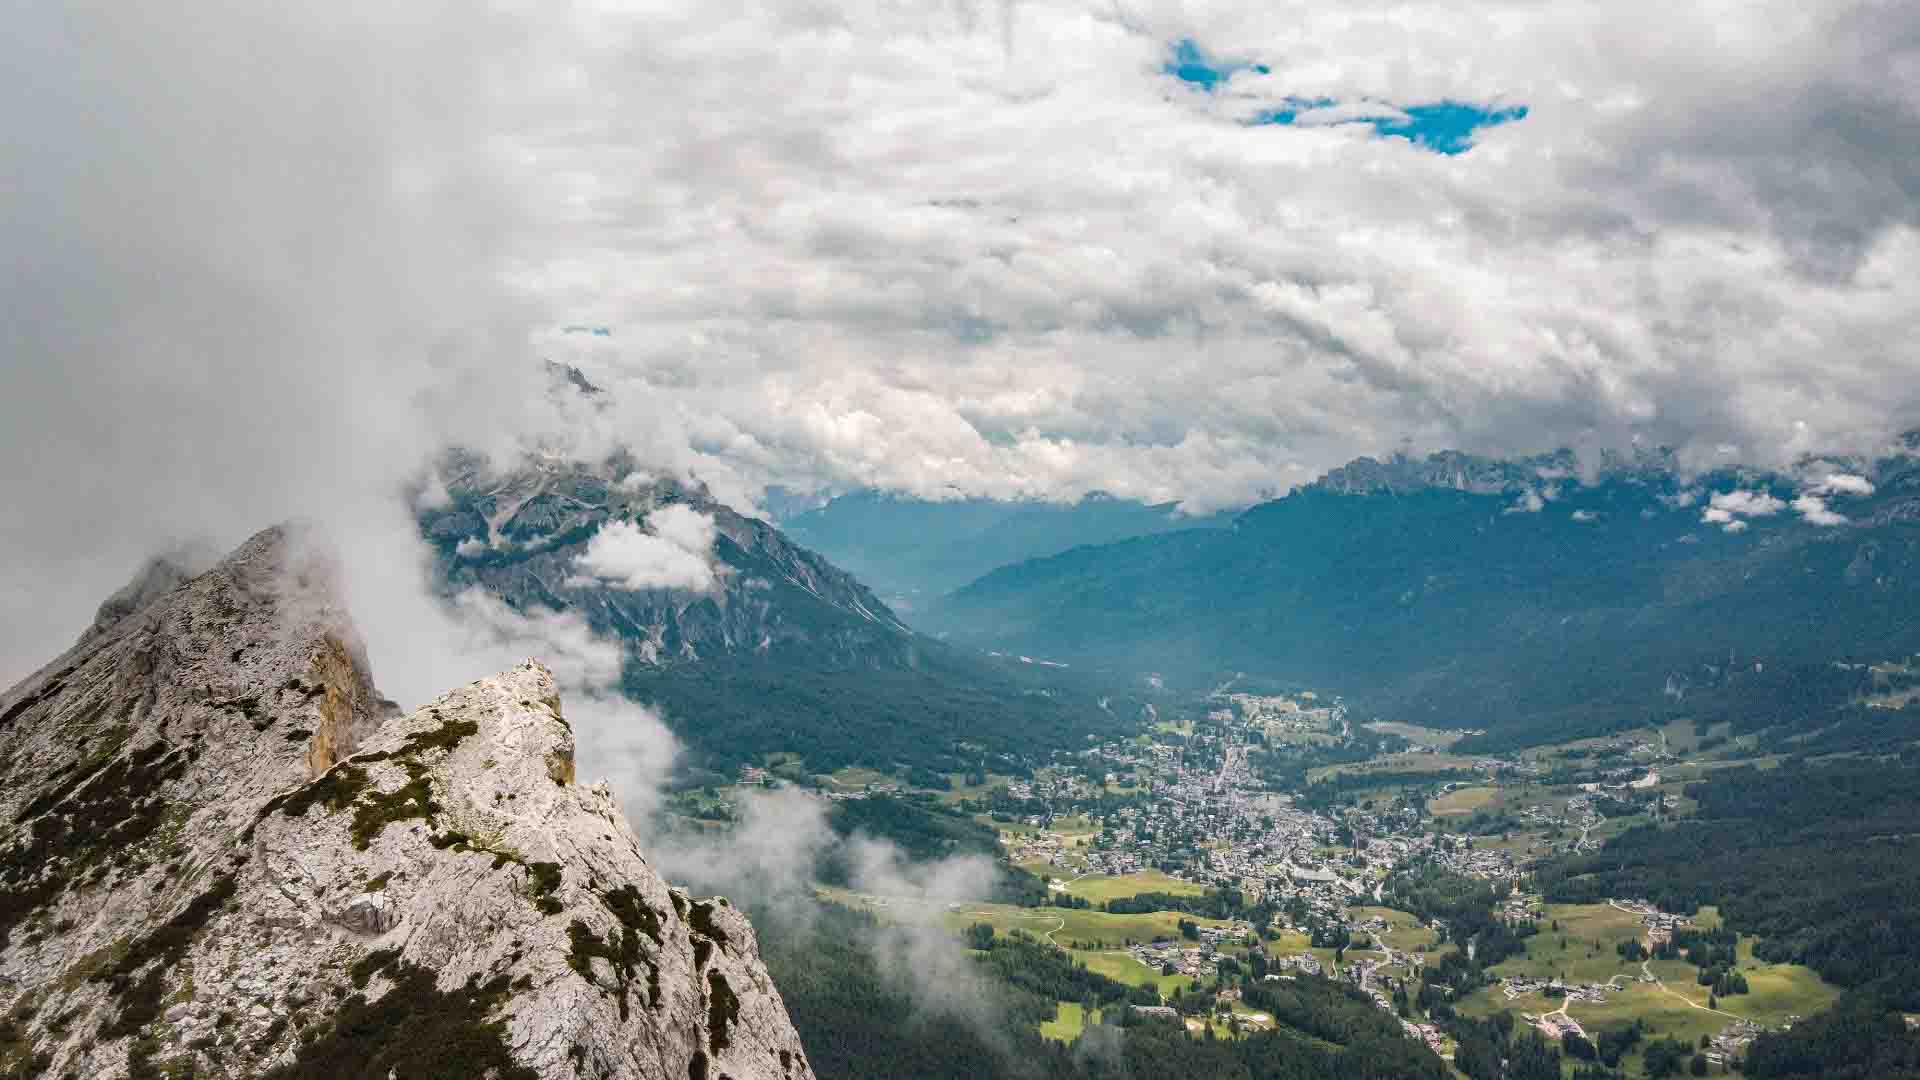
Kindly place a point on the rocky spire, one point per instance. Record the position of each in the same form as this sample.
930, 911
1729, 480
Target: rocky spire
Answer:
219, 844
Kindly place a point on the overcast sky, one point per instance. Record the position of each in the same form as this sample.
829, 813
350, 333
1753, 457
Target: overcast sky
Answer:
256, 263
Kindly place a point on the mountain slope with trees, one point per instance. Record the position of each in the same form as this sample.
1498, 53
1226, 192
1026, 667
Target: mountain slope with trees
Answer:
774, 650
1508, 596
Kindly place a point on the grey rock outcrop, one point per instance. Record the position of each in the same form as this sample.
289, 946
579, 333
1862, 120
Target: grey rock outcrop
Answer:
219, 846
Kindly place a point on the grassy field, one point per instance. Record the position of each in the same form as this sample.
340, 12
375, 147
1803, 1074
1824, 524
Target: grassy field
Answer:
1414, 733
854, 778
1122, 967
1069, 925
1666, 1017
1073, 828
1673, 1008
1591, 933
1100, 889
1067, 1023
1521, 845
962, 790
1461, 802
1775, 991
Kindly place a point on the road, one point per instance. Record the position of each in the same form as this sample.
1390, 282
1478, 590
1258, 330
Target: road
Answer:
1647, 969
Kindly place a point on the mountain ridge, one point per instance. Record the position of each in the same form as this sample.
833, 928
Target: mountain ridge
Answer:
749, 644
223, 849
1452, 592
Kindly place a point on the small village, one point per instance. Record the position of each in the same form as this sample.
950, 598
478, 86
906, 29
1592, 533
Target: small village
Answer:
1212, 821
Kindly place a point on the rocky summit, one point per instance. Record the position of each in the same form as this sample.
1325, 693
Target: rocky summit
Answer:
223, 853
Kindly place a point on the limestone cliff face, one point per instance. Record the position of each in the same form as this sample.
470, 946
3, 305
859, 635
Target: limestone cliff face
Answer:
219, 846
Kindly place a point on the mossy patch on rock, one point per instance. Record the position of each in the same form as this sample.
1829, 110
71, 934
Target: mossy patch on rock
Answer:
723, 1011
348, 785
162, 948
543, 880
415, 1030
374, 962
379, 809
621, 949
700, 917
102, 814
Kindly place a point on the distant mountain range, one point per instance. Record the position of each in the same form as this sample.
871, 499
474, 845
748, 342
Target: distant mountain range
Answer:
1514, 595
915, 550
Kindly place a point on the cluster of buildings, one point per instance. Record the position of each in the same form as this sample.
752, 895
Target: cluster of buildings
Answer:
1555, 1025
1306, 963
1520, 907
1208, 820
1278, 717
1047, 786
1426, 1033
1732, 1042
1660, 924
1489, 864
1519, 986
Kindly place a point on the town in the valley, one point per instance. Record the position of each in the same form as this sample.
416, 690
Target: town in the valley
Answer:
1271, 836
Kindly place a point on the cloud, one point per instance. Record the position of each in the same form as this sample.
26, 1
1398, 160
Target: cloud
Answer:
1585, 515
1528, 502
266, 260
769, 857
684, 527
1840, 484
1725, 508
676, 554
495, 637
1814, 509
625, 744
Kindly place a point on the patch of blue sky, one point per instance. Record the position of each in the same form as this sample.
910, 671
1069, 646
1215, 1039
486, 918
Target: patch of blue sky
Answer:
1444, 127
1190, 63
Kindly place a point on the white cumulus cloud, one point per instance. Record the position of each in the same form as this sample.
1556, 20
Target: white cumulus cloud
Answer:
1726, 508
1840, 484
1814, 509
673, 552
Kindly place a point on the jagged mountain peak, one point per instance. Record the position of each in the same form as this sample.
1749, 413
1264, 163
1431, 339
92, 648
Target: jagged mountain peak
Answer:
1458, 470
222, 846
526, 533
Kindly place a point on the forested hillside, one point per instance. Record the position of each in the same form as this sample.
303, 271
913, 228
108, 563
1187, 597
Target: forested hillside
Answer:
759, 646
1509, 597
1822, 864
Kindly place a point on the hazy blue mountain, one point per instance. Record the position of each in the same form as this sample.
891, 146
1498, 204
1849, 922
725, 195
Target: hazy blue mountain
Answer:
1507, 595
915, 550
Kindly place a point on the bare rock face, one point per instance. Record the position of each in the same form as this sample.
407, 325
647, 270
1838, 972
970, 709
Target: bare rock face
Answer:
220, 847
